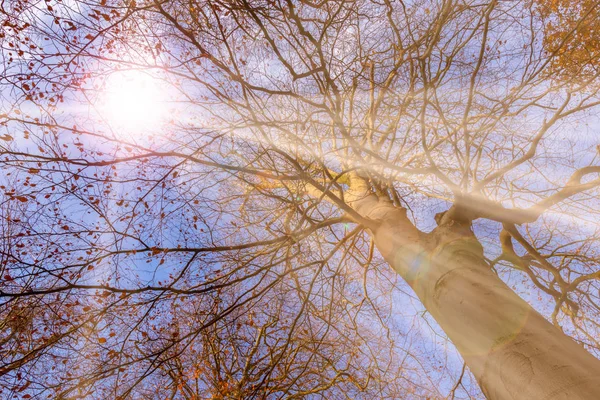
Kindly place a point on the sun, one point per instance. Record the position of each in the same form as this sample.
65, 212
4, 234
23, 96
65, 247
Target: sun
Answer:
133, 101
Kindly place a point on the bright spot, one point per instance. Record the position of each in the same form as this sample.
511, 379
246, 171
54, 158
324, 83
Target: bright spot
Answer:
133, 101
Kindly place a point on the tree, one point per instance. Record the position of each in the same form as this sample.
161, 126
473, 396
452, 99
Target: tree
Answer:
571, 34
242, 248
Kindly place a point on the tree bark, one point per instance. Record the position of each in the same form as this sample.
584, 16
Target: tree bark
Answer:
513, 352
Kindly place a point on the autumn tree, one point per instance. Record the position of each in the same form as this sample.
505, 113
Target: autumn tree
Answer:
571, 34
314, 198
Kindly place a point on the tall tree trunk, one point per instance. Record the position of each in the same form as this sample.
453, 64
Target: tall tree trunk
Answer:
512, 350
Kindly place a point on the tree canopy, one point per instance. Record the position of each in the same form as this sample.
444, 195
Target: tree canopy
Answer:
212, 240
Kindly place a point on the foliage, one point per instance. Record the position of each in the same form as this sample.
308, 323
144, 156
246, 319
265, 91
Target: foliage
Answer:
571, 35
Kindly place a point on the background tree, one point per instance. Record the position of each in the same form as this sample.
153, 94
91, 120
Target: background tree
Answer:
241, 248
571, 34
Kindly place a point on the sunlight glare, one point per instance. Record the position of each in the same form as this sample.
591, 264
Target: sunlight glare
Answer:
133, 101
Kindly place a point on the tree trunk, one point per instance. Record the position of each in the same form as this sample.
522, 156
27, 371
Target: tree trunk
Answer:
512, 350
